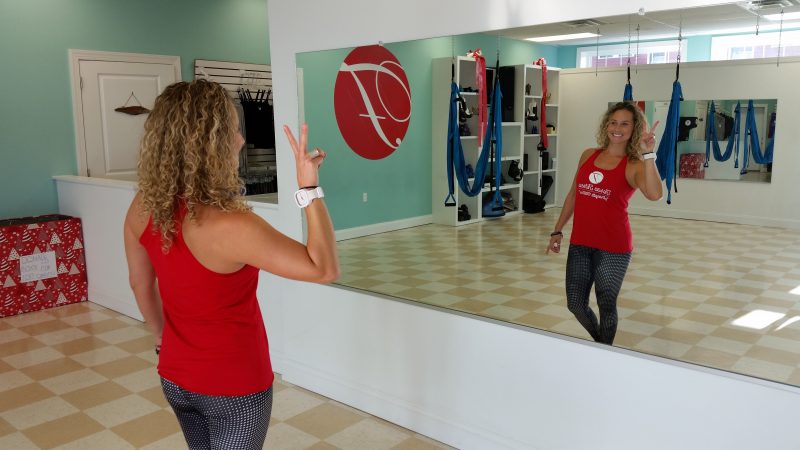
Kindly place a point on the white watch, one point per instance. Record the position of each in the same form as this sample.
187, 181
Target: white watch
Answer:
649, 155
304, 197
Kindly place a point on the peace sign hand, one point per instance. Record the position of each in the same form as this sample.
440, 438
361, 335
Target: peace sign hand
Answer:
648, 139
307, 163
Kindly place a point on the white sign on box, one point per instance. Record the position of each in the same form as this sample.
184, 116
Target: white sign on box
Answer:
38, 266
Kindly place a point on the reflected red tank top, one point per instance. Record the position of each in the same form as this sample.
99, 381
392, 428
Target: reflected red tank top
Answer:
214, 341
601, 207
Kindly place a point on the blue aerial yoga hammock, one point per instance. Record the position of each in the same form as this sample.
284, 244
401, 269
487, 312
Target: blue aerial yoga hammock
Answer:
751, 141
667, 158
627, 96
455, 153
712, 139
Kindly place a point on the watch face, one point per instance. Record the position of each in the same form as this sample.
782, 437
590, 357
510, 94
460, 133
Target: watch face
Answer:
301, 198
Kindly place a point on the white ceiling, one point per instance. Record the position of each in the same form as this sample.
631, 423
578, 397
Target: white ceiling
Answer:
721, 19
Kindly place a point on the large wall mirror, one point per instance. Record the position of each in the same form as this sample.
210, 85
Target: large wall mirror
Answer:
730, 139
719, 293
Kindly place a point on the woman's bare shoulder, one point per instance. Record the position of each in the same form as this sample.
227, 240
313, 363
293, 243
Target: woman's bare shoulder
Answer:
586, 154
136, 219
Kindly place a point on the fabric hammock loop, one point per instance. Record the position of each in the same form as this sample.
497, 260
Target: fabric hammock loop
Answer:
712, 140
494, 207
752, 143
667, 157
627, 95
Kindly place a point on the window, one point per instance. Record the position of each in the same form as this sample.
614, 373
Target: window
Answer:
616, 55
763, 45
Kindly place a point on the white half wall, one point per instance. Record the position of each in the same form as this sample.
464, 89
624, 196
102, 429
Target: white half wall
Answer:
472, 383
101, 204
476, 384
584, 96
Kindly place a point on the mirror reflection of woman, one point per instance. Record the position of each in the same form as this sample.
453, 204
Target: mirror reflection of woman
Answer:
601, 242
194, 251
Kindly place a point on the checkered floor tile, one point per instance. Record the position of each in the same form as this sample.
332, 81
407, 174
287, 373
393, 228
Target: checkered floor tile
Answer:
83, 377
716, 294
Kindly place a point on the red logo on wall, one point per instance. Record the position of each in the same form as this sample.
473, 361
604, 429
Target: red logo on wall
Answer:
372, 101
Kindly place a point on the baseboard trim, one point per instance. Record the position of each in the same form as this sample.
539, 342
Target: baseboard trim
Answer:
366, 230
114, 303
717, 217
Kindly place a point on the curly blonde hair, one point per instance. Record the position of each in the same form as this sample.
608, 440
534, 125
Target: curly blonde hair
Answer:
639, 125
185, 155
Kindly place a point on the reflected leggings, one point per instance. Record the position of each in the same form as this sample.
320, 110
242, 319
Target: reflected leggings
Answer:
606, 270
220, 422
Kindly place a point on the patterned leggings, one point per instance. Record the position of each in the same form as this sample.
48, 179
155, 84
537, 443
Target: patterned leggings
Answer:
220, 422
606, 270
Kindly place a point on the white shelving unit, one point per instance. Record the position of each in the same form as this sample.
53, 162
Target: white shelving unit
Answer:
512, 145
538, 166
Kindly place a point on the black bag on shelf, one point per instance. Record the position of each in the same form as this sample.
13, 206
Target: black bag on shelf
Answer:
463, 213
532, 203
514, 172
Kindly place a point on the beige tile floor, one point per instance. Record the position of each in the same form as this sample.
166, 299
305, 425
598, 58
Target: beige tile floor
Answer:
688, 283
83, 377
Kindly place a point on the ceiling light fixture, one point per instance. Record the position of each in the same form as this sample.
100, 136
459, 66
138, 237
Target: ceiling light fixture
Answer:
562, 37
786, 16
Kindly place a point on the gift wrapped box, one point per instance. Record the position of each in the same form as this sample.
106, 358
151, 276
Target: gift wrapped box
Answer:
691, 165
42, 263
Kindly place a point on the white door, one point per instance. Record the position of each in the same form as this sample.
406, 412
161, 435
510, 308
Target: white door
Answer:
701, 111
111, 137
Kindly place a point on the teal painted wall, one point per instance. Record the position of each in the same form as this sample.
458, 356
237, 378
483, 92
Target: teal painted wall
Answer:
37, 137
567, 56
399, 186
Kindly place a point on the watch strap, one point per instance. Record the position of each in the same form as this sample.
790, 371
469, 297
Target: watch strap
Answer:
308, 196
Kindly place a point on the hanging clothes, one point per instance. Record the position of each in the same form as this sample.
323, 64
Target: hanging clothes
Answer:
456, 163
667, 156
259, 116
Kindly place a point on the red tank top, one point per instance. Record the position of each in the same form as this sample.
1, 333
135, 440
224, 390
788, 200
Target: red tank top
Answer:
214, 341
601, 207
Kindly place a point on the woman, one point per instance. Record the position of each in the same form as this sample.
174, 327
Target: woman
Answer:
194, 251
601, 242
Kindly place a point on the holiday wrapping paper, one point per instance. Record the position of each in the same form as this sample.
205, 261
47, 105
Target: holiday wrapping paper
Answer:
691, 165
42, 263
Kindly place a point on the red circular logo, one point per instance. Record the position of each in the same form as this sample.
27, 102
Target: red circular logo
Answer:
372, 101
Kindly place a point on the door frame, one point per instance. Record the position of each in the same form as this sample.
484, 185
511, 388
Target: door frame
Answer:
75, 58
